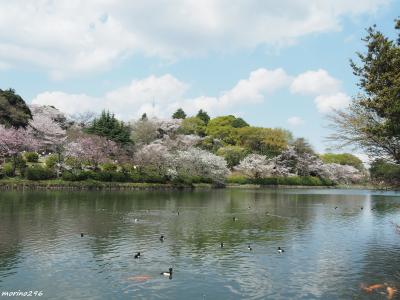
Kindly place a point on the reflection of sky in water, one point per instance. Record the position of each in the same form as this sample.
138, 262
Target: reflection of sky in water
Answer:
329, 252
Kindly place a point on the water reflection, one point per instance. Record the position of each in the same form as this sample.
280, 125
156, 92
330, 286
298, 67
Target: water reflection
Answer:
328, 252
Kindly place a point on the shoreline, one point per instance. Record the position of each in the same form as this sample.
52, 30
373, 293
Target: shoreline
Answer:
22, 184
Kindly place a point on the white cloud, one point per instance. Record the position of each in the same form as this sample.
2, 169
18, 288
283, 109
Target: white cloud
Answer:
315, 83
326, 89
325, 103
67, 37
295, 121
162, 95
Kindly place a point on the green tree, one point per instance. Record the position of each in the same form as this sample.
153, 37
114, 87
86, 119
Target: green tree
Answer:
203, 115
239, 123
13, 110
343, 159
193, 125
179, 114
265, 141
222, 129
383, 171
232, 154
372, 121
110, 127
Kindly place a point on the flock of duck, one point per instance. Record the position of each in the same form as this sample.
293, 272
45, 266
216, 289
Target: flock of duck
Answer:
388, 289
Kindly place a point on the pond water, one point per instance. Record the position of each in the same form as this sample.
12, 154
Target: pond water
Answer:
334, 241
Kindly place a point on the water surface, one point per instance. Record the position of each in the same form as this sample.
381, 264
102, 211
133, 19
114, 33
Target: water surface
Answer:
334, 241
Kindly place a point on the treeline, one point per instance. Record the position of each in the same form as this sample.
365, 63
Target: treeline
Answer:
40, 143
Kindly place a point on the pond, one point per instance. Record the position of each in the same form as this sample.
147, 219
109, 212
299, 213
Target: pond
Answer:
334, 242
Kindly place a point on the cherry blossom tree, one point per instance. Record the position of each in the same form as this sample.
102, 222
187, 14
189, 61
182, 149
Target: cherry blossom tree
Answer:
14, 141
195, 162
92, 149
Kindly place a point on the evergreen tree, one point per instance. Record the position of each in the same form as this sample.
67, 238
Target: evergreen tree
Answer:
372, 121
13, 110
179, 114
108, 126
203, 115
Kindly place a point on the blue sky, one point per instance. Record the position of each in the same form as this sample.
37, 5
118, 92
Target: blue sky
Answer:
274, 63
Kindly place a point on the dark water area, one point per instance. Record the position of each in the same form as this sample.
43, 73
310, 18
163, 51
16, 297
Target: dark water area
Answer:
334, 241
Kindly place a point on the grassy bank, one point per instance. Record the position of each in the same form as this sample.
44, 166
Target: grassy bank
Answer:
59, 184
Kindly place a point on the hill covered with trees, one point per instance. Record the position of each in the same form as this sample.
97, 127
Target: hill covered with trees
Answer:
181, 149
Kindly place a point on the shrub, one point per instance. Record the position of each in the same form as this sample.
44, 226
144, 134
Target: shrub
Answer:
238, 179
39, 173
51, 161
8, 169
76, 175
31, 157
109, 167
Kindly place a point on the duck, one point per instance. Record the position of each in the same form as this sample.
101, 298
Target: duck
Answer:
336, 207
137, 255
249, 247
136, 220
280, 250
222, 244
362, 208
82, 234
169, 273
234, 219
162, 238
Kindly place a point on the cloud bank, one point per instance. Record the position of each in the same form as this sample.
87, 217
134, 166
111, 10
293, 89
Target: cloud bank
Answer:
69, 37
162, 95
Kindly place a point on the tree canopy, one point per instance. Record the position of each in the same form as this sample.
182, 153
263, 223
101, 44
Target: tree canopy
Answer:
203, 115
179, 114
13, 110
372, 121
109, 126
342, 159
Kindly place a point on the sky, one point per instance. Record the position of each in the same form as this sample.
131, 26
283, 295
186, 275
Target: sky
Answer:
274, 63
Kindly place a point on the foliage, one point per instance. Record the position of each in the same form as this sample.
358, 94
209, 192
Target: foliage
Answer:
108, 167
51, 160
8, 169
265, 141
232, 154
221, 128
372, 121
384, 171
293, 180
31, 157
239, 123
343, 159
179, 114
39, 173
203, 115
193, 125
13, 110
108, 126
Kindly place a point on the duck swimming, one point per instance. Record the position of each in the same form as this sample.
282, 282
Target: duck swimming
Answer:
222, 245
280, 250
137, 255
249, 247
82, 234
169, 273
162, 238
